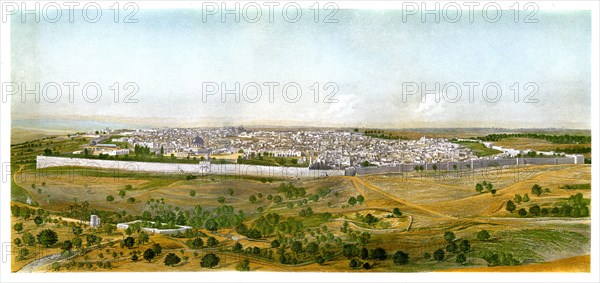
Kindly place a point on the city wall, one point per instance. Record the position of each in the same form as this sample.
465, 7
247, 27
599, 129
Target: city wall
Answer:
175, 168
472, 164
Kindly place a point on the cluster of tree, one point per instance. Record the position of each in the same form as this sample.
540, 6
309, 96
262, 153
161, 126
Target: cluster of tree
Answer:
354, 200
485, 185
369, 218
587, 186
558, 139
150, 253
497, 259
243, 265
537, 190
574, 149
576, 206
221, 217
306, 212
142, 151
352, 250
251, 233
25, 212
290, 191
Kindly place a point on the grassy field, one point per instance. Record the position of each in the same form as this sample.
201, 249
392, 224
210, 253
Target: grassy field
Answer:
479, 149
316, 210
538, 145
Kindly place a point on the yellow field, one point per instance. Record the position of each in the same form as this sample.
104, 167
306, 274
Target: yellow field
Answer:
431, 205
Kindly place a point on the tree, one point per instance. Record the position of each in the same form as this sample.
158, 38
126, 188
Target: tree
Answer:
131, 200
400, 258
210, 260
18, 227
296, 247
537, 190
352, 201
364, 253
230, 192
77, 230
122, 193
172, 259
449, 236
434, 167
110, 198
38, 221
360, 199
243, 265
212, 242
237, 247
275, 244
23, 253
47, 237
427, 256
129, 242
192, 193
397, 212
77, 242
535, 210
354, 263
320, 260
67, 246
451, 247
522, 212
379, 254
28, 239
109, 228
461, 259
510, 206
211, 224
526, 198
493, 192
312, 248
518, 199
197, 243
149, 254
479, 188
465, 246
157, 249
439, 255
252, 199
143, 237
17, 242
221, 199
483, 235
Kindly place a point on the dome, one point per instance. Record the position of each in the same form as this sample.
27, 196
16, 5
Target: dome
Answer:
198, 141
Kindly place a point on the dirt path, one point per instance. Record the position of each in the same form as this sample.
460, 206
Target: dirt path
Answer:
401, 201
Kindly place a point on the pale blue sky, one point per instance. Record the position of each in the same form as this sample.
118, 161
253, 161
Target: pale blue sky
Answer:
368, 54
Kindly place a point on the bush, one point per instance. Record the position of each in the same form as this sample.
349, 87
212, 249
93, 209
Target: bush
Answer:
172, 259
483, 235
243, 265
210, 260
449, 236
378, 254
461, 259
400, 258
47, 237
439, 255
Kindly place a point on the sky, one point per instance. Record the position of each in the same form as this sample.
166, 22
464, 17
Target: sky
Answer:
365, 61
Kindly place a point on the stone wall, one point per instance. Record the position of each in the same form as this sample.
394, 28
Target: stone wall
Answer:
200, 168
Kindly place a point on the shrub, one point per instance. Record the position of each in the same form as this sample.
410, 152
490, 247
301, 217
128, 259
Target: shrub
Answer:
400, 258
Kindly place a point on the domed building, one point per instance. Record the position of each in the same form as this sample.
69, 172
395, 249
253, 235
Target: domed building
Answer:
198, 148
198, 142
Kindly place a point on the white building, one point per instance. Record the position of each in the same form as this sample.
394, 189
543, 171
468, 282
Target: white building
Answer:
94, 221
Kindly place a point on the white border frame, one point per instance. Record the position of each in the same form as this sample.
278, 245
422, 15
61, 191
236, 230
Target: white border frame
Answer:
5, 229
